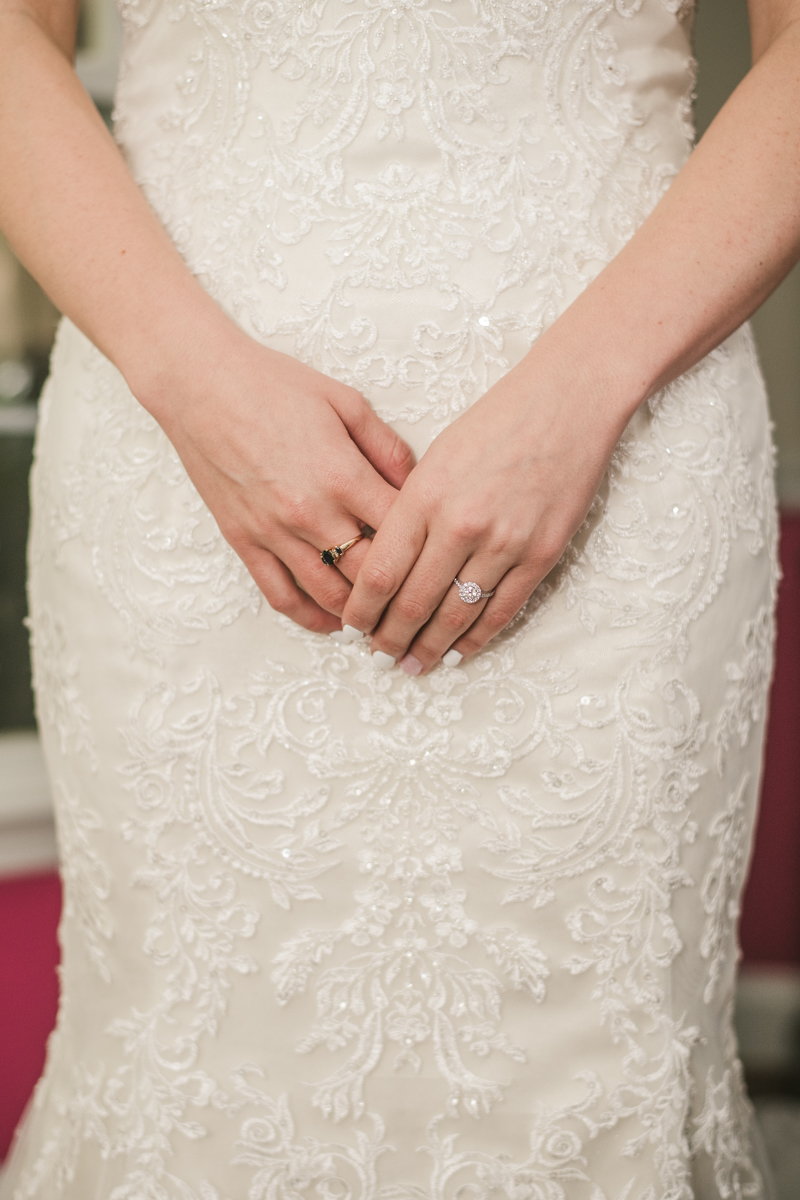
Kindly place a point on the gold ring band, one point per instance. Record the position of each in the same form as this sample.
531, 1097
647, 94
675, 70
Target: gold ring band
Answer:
332, 555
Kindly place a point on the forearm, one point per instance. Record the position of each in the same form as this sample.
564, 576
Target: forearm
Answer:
81, 226
716, 245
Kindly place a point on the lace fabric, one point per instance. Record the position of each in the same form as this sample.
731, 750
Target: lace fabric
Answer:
331, 932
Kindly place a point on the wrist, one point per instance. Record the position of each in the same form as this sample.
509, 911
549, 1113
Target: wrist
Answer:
187, 361
585, 371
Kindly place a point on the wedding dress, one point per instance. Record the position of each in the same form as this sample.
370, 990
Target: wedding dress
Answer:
341, 934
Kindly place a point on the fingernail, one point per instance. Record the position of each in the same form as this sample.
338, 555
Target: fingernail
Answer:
382, 661
340, 636
411, 665
352, 634
452, 658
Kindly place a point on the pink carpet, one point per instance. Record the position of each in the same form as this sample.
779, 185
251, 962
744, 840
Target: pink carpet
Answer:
770, 927
29, 909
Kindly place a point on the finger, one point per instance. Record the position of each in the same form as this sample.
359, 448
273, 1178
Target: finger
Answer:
432, 599
350, 562
329, 585
309, 530
393, 552
436, 640
387, 452
360, 491
345, 494
348, 565
283, 595
326, 582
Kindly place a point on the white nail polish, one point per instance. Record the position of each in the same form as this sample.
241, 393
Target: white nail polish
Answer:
452, 658
352, 634
340, 636
382, 661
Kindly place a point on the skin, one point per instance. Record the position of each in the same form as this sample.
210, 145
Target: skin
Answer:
499, 494
286, 458
287, 455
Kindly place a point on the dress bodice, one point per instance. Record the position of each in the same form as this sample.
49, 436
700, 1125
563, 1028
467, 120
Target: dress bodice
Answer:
467, 165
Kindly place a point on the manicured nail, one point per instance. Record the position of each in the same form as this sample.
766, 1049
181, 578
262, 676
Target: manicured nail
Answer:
340, 636
452, 658
352, 634
411, 665
382, 661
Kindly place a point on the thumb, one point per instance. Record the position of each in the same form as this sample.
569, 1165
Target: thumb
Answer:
387, 452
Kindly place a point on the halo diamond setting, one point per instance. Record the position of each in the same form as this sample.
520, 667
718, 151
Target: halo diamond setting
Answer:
469, 592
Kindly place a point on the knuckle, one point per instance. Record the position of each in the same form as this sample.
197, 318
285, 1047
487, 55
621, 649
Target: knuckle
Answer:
351, 404
240, 543
327, 588
470, 643
294, 508
509, 542
337, 482
470, 526
412, 610
549, 548
280, 596
499, 615
453, 620
353, 396
378, 579
401, 456
333, 599
281, 602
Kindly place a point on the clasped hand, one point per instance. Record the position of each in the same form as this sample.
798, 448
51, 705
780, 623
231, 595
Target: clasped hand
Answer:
302, 461
494, 500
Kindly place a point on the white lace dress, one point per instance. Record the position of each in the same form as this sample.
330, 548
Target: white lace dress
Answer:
331, 934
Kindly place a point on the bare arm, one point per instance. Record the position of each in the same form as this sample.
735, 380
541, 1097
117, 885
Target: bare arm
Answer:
721, 239
502, 490
75, 217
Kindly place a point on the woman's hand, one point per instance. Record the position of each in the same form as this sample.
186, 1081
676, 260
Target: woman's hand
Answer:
289, 462
495, 500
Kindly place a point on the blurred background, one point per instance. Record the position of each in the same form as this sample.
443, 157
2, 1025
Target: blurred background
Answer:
768, 1003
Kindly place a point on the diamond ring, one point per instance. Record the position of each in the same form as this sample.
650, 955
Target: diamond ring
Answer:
471, 593
332, 555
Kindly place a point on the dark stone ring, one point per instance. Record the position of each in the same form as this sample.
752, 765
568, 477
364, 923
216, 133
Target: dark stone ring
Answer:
332, 555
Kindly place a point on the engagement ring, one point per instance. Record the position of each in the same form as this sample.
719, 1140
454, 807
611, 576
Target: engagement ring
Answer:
471, 593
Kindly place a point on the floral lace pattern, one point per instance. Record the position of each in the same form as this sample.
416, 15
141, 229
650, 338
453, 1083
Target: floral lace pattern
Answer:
362, 936
721, 1128
60, 703
744, 699
516, 207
